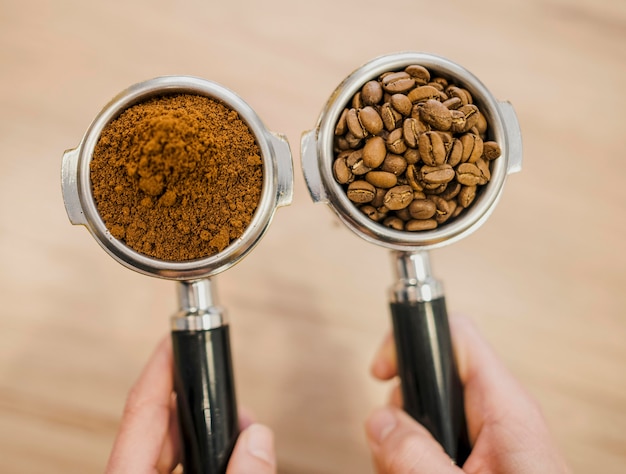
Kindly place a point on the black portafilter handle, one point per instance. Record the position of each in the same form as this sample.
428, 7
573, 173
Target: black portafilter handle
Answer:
431, 388
204, 382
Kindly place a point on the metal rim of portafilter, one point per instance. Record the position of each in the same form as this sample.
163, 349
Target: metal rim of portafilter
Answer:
431, 388
207, 408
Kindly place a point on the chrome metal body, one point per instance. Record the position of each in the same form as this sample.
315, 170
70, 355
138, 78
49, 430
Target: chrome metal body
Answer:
277, 180
197, 308
414, 279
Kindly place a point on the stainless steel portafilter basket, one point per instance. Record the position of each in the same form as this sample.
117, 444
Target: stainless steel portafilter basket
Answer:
207, 408
431, 388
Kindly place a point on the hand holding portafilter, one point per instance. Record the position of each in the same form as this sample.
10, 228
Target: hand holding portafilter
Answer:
207, 408
431, 388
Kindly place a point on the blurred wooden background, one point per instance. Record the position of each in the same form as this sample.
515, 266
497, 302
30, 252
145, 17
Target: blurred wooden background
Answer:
544, 278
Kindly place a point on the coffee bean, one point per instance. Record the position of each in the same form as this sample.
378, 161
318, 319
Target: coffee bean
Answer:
403, 214
395, 142
459, 93
412, 129
471, 116
395, 164
379, 199
394, 223
491, 150
481, 124
354, 124
419, 73
466, 196
391, 117
342, 173
341, 126
360, 191
412, 156
423, 93
413, 178
458, 121
398, 197
353, 142
472, 148
356, 164
421, 224
371, 93
422, 208
468, 174
371, 212
381, 179
456, 153
357, 102
401, 104
374, 152
436, 115
370, 120
431, 148
485, 173
453, 103
437, 175
398, 82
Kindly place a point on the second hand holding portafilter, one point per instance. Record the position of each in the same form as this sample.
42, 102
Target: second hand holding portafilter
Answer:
431, 388
203, 372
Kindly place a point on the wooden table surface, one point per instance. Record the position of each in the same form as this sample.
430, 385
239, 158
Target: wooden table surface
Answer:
544, 278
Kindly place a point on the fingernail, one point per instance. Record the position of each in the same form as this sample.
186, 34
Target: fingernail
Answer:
380, 423
261, 442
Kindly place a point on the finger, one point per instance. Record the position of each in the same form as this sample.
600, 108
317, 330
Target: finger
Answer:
384, 365
170, 451
395, 396
401, 445
246, 418
146, 419
254, 452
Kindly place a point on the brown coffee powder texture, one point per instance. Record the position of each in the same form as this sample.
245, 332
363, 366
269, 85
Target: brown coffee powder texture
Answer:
177, 177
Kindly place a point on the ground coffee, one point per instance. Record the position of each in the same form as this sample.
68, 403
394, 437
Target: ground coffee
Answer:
177, 177
411, 150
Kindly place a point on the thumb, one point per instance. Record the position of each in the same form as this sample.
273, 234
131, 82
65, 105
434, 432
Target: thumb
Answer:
254, 452
400, 445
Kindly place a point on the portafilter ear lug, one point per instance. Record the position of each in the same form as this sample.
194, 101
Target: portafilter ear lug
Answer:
69, 187
284, 166
513, 137
310, 167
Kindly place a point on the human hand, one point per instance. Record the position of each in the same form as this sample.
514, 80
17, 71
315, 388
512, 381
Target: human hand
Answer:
506, 427
147, 440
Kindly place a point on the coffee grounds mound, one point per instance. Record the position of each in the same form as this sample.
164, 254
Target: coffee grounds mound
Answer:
177, 177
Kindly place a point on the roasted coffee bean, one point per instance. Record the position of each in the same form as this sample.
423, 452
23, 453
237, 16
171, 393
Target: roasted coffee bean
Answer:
485, 173
341, 126
401, 104
418, 195
456, 212
472, 148
452, 190
412, 129
379, 199
371, 120
481, 124
360, 192
422, 209
374, 152
442, 208
468, 174
433, 188
453, 103
419, 73
357, 103
394, 223
395, 142
460, 93
398, 82
354, 124
442, 81
491, 150
395, 164
356, 164
371, 212
371, 93
423, 93
456, 153
431, 148
353, 142
466, 196
342, 173
381, 179
436, 175
340, 144
390, 116
420, 224
412, 176
471, 116
436, 115
458, 121
412, 156
398, 197
404, 214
